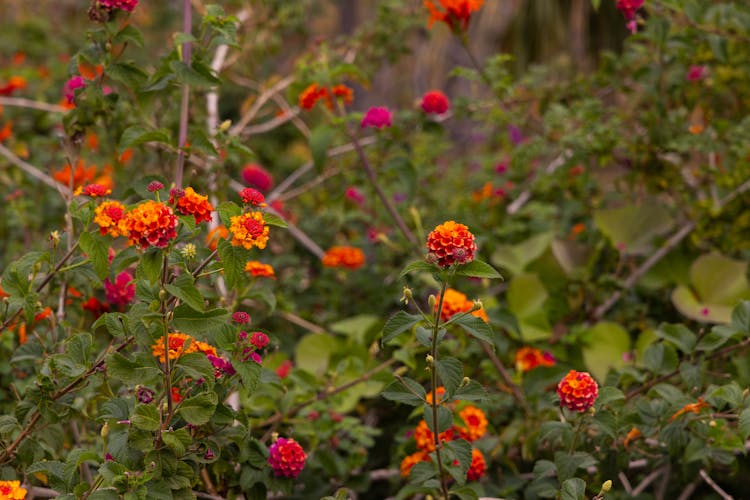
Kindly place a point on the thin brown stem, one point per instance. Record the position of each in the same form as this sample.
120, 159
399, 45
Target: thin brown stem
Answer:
434, 382
515, 391
187, 21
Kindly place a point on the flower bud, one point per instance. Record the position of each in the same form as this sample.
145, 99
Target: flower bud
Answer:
225, 125
407, 295
431, 300
430, 360
162, 294
606, 486
466, 381
105, 430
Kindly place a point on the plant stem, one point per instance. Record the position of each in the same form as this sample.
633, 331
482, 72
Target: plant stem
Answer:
434, 382
167, 368
187, 21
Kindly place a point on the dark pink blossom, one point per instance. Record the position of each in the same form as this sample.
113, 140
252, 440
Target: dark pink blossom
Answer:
122, 291
435, 102
126, 5
696, 73
378, 117
355, 195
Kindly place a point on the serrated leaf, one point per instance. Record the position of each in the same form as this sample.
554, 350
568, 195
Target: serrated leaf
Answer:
233, 259
188, 320
227, 210
274, 220
743, 424
184, 289
459, 450
8, 424
409, 392
130, 372
478, 269
419, 266
398, 324
129, 34
444, 418
150, 266
421, 472
97, 252
197, 75
145, 417
198, 409
473, 391
249, 372
573, 489
129, 74
679, 335
135, 135
451, 373
196, 366
476, 327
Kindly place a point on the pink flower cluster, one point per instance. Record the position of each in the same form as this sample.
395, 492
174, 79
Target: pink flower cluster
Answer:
126, 5
286, 457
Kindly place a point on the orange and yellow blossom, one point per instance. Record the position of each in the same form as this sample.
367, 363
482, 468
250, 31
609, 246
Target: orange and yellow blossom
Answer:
249, 230
425, 439
528, 358
110, 216
220, 232
411, 460
177, 347
455, 13
192, 203
451, 243
455, 302
344, 256
151, 224
11, 490
258, 269
476, 423
692, 407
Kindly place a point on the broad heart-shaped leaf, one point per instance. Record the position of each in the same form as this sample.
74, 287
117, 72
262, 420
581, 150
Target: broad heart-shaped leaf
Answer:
478, 269
135, 135
458, 450
526, 295
233, 258
198, 409
227, 210
451, 373
249, 372
195, 365
571, 255
476, 327
320, 140
607, 342
131, 372
97, 251
573, 489
444, 418
409, 392
188, 320
719, 280
419, 266
689, 305
515, 258
632, 228
314, 351
473, 391
398, 324
184, 289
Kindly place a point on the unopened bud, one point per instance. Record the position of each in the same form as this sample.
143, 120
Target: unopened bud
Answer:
54, 238
105, 430
188, 251
466, 381
162, 294
225, 125
477, 305
432, 300
430, 360
406, 296
606, 486
712, 423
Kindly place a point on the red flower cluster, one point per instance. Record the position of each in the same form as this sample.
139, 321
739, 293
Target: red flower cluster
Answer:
110, 216
314, 93
127, 5
151, 224
629, 7
253, 197
377, 117
95, 190
257, 176
192, 203
14, 83
249, 230
435, 102
343, 256
455, 13
528, 358
451, 243
286, 457
478, 466
578, 391
122, 291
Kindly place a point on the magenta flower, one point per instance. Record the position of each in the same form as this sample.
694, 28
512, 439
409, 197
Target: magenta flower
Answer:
126, 5
379, 117
286, 457
241, 317
355, 195
75, 83
259, 340
256, 176
696, 73
122, 291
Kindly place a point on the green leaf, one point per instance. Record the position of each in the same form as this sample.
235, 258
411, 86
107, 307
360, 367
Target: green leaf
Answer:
184, 289
409, 392
476, 327
459, 450
274, 220
227, 210
146, 417
444, 418
398, 324
660, 358
314, 351
129, 74
198, 409
188, 320
128, 34
249, 372
478, 269
568, 463
573, 489
136, 134
743, 425
473, 391
196, 365
421, 472
526, 295
150, 266
516, 258
8, 424
97, 251
741, 316
198, 75
130, 372
633, 228
233, 258
607, 342
679, 335
321, 138
451, 373
419, 266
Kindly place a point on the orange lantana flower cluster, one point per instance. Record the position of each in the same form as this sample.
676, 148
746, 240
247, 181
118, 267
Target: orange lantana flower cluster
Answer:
344, 256
475, 423
455, 13
258, 269
528, 358
451, 243
578, 391
179, 344
151, 224
249, 230
192, 203
314, 92
11, 490
220, 232
455, 302
110, 216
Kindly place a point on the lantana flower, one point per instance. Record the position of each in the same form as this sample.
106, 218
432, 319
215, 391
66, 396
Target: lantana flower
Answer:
377, 117
151, 224
180, 344
258, 177
259, 270
478, 466
286, 457
249, 230
435, 102
344, 256
122, 291
451, 243
192, 203
11, 490
578, 391
455, 302
475, 423
528, 358
110, 217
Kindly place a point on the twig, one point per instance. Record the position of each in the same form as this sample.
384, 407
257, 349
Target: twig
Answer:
648, 480
525, 195
293, 318
187, 22
514, 390
258, 104
33, 171
687, 493
326, 394
723, 494
40, 492
625, 483
22, 102
207, 480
